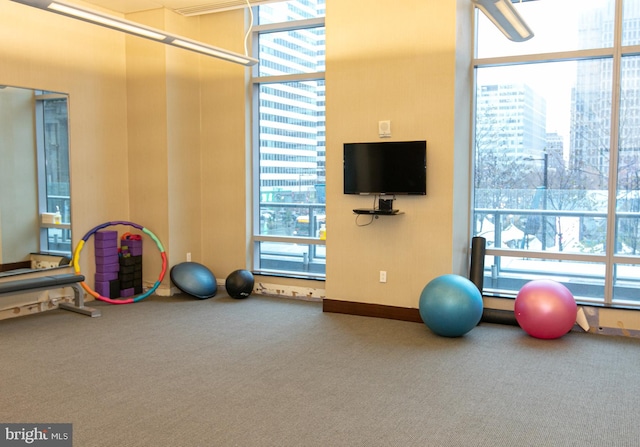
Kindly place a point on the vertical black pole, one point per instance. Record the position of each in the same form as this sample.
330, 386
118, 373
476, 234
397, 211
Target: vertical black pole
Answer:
476, 273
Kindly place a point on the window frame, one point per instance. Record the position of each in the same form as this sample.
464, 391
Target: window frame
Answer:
255, 83
610, 259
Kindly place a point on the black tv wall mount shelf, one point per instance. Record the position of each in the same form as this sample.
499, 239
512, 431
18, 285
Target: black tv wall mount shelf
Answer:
374, 212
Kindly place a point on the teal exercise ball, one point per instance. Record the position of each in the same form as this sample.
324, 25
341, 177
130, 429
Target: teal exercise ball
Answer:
450, 305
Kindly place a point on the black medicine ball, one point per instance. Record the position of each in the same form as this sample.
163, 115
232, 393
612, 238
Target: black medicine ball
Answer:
239, 284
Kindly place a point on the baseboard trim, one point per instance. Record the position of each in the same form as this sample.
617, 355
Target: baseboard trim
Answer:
371, 310
617, 322
405, 314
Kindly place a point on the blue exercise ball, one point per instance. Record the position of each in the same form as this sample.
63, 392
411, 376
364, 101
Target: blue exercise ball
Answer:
194, 279
239, 284
451, 305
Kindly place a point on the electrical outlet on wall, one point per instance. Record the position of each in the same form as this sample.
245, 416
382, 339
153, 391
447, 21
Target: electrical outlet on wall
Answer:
188, 257
383, 276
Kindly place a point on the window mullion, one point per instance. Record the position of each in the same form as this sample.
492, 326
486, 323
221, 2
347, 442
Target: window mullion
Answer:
613, 158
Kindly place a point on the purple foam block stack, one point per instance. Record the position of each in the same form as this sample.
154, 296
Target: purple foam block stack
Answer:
107, 264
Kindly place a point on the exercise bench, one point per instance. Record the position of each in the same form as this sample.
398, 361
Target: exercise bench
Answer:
52, 282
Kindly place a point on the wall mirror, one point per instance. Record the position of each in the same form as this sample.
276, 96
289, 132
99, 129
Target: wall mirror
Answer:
35, 194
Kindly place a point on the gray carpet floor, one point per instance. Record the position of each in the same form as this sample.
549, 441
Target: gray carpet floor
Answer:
278, 372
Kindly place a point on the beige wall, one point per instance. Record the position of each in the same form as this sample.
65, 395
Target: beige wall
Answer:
188, 132
397, 62
159, 135
164, 148
143, 146
226, 156
41, 50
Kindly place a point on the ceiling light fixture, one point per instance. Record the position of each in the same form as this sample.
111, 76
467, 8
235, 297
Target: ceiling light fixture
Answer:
505, 17
127, 26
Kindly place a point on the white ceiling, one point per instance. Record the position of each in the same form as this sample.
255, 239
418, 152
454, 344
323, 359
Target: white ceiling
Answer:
185, 7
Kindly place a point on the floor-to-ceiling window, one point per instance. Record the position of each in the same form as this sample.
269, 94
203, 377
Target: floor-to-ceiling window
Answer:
557, 150
289, 217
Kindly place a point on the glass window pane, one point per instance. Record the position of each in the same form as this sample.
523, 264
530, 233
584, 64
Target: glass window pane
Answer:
279, 12
626, 286
292, 219
558, 25
292, 156
585, 280
291, 52
628, 191
631, 22
542, 155
628, 230
283, 257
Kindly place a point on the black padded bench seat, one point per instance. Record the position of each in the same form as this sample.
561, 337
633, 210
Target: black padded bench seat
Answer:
42, 282
52, 282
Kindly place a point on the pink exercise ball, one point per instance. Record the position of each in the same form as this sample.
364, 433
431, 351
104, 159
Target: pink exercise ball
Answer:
545, 309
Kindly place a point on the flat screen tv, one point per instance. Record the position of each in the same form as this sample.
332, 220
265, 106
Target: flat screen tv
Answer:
385, 168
